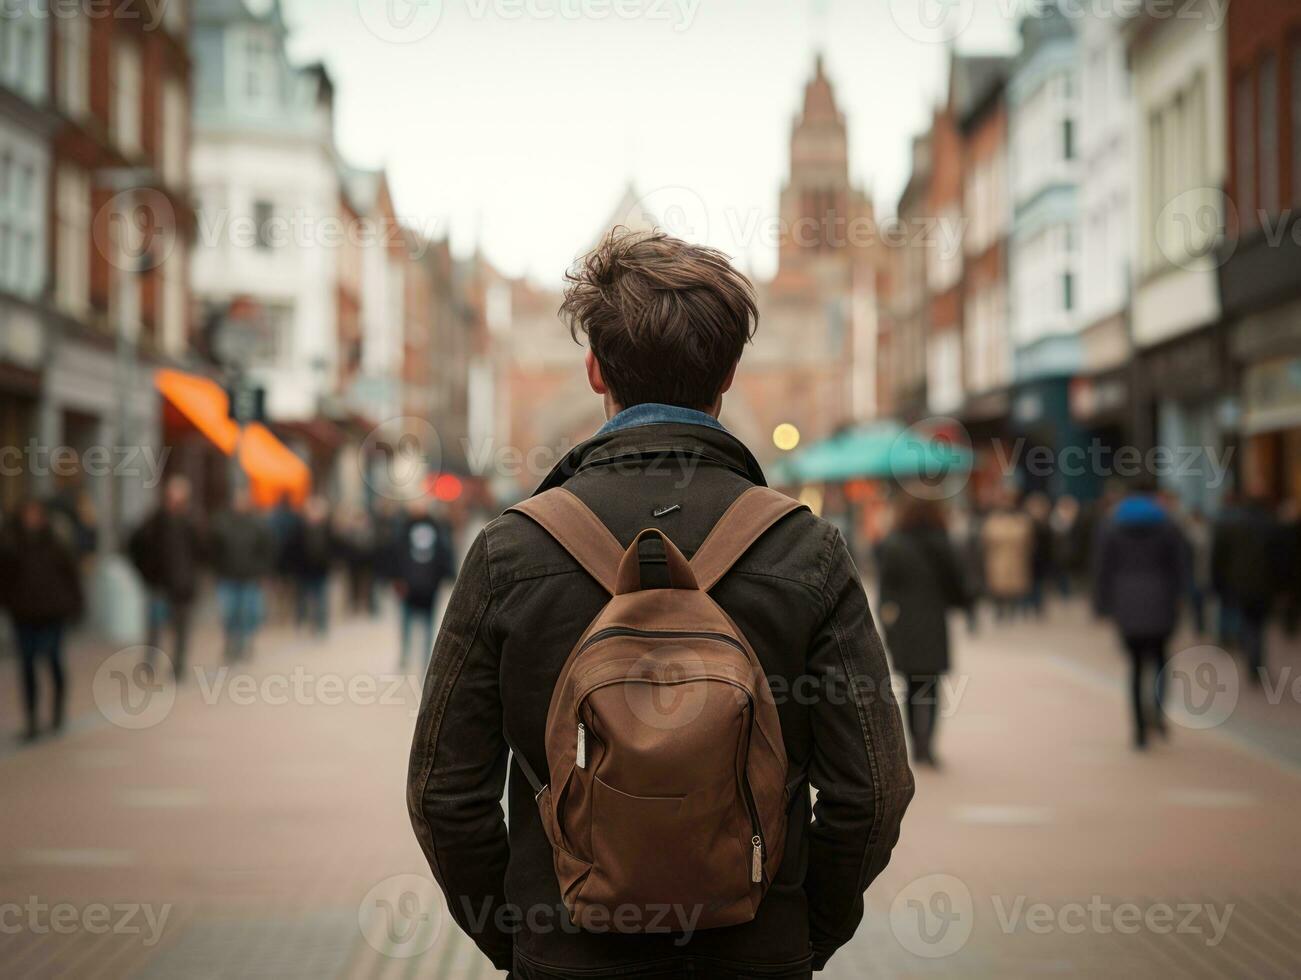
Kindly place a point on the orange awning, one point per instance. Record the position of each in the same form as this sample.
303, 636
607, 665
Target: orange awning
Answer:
273, 469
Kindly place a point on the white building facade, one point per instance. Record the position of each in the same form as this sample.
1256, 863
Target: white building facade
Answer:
1181, 152
1043, 119
268, 188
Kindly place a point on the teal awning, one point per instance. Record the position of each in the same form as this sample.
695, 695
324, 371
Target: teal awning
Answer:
877, 451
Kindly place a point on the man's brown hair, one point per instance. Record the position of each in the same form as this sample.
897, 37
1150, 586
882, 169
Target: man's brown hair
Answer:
666, 320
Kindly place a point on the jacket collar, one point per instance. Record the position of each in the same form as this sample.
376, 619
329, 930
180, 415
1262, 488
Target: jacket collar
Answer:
657, 440
650, 413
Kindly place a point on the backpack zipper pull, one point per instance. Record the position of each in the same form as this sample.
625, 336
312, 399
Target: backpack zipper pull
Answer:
582, 746
756, 862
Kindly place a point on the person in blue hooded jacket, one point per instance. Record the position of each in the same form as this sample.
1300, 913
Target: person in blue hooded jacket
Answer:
1143, 571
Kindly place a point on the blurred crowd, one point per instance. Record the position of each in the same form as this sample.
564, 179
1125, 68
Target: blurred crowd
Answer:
1140, 558
257, 565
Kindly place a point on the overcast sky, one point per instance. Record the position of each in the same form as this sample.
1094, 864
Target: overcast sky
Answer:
518, 123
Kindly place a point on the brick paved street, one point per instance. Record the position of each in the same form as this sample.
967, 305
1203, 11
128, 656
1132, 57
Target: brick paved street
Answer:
258, 828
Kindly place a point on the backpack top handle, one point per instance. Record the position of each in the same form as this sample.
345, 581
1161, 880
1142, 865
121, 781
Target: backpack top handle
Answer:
629, 577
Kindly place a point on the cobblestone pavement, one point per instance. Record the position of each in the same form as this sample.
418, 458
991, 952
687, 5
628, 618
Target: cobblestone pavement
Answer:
254, 825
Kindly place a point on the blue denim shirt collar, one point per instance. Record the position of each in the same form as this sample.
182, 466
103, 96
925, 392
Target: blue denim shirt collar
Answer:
653, 413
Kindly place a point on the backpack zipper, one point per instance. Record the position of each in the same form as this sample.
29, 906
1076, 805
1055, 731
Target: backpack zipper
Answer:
582, 746
756, 842
606, 634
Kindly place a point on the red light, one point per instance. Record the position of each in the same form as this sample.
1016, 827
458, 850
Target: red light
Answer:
447, 487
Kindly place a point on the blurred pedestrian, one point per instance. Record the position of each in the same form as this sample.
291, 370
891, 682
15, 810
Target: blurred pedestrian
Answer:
41, 588
1197, 531
310, 556
1040, 508
423, 560
921, 579
357, 546
1066, 525
1289, 518
167, 550
284, 522
1007, 540
965, 533
1227, 615
243, 553
1141, 578
1249, 557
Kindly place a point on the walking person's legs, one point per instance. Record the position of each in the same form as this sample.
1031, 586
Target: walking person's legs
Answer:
1251, 631
407, 615
1137, 649
54, 654
922, 705
28, 638
427, 621
1160, 656
181, 629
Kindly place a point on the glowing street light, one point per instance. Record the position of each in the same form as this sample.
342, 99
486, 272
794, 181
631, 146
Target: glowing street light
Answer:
786, 437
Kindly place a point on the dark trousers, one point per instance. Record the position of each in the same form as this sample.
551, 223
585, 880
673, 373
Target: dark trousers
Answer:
313, 602
163, 611
923, 711
40, 642
1252, 623
417, 614
1147, 654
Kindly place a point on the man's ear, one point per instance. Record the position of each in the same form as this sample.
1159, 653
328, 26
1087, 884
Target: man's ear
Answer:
594, 373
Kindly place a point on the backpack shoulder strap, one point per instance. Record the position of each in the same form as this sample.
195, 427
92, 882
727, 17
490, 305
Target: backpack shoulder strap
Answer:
741, 525
578, 531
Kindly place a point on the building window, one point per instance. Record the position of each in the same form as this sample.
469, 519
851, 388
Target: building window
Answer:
1068, 139
127, 98
73, 238
263, 214
74, 65
172, 139
1068, 291
1244, 141
259, 72
22, 217
1268, 146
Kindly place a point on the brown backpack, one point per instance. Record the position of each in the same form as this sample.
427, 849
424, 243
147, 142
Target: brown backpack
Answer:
667, 783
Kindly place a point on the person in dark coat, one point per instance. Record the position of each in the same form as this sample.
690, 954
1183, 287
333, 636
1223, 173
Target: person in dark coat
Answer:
1248, 559
243, 553
40, 586
310, 555
1142, 574
167, 550
423, 559
921, 579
